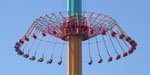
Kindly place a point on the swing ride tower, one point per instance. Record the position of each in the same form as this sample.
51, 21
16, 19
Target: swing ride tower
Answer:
73, 28
74, 41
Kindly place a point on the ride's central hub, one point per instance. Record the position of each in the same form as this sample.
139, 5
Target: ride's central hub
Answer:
86, 26
76, 27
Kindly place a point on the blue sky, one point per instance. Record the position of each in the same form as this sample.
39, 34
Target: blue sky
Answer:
17, 15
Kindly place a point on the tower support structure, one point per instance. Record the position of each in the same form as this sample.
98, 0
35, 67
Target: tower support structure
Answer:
74, 42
